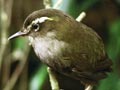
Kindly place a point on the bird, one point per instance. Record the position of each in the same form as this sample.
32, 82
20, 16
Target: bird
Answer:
66, 46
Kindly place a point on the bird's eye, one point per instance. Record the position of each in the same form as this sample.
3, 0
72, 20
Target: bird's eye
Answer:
35, 27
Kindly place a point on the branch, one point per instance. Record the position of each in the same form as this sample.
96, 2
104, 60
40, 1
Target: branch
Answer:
88, 87
14, 77
47, 3
58, 3
5, 10
81, 17
5, 19
53, 79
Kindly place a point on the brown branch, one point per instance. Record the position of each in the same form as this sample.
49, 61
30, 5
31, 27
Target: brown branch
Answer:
10, 84
5, 17
6, 7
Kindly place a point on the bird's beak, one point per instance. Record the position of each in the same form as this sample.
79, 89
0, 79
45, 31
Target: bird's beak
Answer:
20, 33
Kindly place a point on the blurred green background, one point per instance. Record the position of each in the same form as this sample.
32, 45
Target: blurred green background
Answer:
20, 69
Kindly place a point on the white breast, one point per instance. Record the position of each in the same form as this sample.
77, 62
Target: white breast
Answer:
48, 46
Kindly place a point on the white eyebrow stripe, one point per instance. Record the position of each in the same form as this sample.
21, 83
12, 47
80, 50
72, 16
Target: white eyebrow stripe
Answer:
41, 20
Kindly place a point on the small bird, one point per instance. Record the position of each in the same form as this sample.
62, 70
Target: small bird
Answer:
66, 46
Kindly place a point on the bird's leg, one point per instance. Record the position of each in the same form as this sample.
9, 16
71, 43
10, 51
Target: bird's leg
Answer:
53, 79
88, 87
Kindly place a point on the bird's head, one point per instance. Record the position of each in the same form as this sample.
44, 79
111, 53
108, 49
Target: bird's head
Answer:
43, 21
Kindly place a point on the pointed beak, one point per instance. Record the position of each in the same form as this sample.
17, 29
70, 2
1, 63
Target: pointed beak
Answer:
17, 35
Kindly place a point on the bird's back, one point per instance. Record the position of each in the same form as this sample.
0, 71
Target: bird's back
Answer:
87, 55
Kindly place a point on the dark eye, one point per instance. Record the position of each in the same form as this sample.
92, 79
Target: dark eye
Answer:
35, 27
